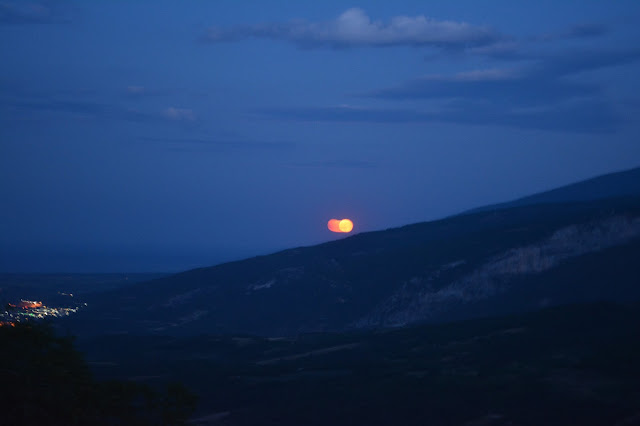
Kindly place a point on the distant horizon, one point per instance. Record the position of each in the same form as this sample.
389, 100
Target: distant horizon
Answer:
196, 261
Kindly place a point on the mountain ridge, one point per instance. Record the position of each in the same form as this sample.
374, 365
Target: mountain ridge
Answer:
463, 266
610, 185
339, 284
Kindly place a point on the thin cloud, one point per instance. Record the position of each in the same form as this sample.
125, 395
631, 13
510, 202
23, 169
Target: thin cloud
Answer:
539, 92
516, 49
582, 60
335, 164
581, 116
179, 114
136, 92
221, 146
22, 105
511, 87
344, 114
81, 108
574, 116
508, 49
544, 80
580, 31
354, 28
139, 92
539, 95
27, 13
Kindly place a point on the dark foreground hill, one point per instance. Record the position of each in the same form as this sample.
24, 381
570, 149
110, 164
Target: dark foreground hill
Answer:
473, 265
569, 365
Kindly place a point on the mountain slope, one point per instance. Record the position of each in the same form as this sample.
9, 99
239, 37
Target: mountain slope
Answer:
619, 184
566, 245
460, 267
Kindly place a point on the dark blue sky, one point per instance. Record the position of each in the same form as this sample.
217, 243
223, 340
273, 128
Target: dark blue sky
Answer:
163, 135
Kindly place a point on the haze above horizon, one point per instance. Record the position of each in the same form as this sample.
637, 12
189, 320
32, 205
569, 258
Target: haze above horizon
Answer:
154, 136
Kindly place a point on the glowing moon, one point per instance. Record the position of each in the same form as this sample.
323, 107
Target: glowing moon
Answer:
334, 225
344, 225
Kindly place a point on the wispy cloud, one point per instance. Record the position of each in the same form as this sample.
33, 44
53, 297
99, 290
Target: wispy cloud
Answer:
139, 92
134, 92
519, 48
579, 31
30, 104
590, 116
542, 79
541, 93
565, 63
220, 145
179, 114
345, 113
25, 12
355, 28
336, 164
78, 108
509, 86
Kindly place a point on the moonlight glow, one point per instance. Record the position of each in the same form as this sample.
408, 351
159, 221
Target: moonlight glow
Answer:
344, 225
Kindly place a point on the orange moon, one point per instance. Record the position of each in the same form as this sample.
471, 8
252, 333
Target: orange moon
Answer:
334, 225
344, 225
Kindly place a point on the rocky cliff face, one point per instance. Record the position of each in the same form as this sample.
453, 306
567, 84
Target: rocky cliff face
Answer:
417, 300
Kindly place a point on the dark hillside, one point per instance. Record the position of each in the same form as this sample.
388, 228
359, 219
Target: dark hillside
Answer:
569, 365
612, 185
459, 267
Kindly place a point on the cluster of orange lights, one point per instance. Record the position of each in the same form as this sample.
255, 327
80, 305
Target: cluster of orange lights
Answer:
344, 225
26, 304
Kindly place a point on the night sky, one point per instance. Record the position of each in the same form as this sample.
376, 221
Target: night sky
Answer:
165, 135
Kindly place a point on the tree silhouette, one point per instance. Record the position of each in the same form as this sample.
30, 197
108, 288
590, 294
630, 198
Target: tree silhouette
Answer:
45, 380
